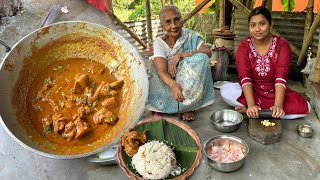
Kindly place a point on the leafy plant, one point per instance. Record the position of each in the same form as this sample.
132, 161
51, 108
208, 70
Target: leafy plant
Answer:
288, 5
138, 14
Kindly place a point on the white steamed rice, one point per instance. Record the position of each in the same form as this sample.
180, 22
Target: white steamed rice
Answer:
154, 160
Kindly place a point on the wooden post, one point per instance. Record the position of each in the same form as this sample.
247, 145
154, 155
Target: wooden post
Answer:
269, 5
241, 7
305, 45
221, 13
248, 3
115, 18
309, 18
252, 4
196, 9
316, 72
9, 7
149, 23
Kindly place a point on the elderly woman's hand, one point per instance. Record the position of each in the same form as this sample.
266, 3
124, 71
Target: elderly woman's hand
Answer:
173, 65
177, 92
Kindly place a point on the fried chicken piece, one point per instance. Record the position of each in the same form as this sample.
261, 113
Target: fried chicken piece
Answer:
81, 82
59, 122
69, 131
117, 84
104, 116
131, 141
109, 103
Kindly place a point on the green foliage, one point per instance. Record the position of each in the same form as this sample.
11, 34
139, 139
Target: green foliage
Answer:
134, 10
138, 14
122, 4
214, 7
288, 5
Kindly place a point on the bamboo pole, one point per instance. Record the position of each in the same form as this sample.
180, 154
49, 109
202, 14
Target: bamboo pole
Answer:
316, 72
149, 23
305, 45
309, 18
269, 5
221, 13
196, 9
248, 3
264, 3
252, 4
115, 18
240, 6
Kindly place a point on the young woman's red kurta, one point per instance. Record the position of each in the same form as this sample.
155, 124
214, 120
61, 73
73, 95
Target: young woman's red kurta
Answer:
263, 72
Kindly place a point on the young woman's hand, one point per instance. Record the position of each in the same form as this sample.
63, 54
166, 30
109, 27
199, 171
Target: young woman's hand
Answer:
277, 112
253, 111
177, 92
173, 65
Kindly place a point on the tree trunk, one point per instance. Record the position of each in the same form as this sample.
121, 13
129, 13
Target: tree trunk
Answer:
172, 2
196, 10
115, 18
308, 40
9, 7
241, 7
149, 23
308, 22
221, 13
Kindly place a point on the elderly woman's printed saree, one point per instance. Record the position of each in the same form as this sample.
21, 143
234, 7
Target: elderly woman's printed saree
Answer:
193, 74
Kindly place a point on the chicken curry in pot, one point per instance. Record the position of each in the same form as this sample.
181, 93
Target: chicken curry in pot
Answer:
74, 101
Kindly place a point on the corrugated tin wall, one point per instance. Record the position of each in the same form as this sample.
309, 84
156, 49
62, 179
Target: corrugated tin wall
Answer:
140, 29
289, 25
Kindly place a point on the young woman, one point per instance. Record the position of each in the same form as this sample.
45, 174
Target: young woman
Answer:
263, 63
181, 78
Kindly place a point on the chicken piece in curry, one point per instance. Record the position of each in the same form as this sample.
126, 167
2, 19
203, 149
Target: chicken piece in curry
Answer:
132, 140
73, 100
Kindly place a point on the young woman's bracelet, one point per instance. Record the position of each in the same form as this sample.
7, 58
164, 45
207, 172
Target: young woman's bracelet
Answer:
190, 53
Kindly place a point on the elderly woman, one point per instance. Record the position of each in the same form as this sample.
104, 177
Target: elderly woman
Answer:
181, 79
263, 63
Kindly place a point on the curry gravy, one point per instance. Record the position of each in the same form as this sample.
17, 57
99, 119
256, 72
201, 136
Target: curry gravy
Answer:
62, 75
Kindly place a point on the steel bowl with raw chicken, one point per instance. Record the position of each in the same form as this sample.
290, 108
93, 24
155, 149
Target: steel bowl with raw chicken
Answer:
70, 89
226, 153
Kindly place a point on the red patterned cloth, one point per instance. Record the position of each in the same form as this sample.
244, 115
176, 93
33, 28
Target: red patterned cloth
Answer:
266, 71
103, 5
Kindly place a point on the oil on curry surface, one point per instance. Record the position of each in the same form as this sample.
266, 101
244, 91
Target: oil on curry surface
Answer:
71, 98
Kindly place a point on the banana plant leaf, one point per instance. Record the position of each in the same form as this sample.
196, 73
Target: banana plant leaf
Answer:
184, 146
288, 5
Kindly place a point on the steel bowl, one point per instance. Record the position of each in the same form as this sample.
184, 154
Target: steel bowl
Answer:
304, 131
106, 157
220, 140
226, 120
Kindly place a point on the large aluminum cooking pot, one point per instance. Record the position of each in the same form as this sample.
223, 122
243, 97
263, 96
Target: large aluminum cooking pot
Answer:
115, 52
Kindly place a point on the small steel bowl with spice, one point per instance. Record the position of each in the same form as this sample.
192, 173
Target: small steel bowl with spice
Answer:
304, 130
226, 120
226, 153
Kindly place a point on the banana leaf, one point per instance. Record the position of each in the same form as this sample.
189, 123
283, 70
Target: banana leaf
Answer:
288, 5
184, 146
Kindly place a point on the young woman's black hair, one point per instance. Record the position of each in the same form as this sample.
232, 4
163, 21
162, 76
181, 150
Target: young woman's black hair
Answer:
260, 10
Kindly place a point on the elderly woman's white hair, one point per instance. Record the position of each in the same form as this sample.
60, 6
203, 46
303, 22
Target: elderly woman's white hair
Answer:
167, 7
